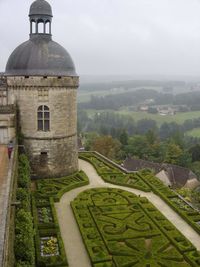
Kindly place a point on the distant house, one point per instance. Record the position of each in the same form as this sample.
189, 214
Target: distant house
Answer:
171, 175
168, 111
143, 108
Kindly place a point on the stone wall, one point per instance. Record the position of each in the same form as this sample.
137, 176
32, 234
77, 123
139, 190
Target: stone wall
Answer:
53, 157
52, 153
8, 213
7, 114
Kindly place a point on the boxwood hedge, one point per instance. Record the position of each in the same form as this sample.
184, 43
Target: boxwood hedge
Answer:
120, 229
143, 180
47, 192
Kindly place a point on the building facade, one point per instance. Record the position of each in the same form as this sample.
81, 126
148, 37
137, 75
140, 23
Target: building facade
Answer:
42, 81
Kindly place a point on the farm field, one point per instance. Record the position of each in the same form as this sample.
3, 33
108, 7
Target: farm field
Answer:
84, 96
139, 115
194, 133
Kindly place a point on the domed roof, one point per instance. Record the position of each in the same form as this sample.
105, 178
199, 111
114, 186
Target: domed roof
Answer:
40, 56
40, 7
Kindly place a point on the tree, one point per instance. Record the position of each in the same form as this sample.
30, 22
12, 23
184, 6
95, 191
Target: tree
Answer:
151, 137
89, 139
195, 167
144, 125
107, 146
195, 152
167, 130
137, 146
173, 154
177, 138
123, 138
152, 110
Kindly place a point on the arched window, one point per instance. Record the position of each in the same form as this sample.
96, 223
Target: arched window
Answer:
40, 26
33, 26
43, 116
48, 27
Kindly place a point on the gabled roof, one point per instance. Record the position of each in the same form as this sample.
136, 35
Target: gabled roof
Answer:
178, 176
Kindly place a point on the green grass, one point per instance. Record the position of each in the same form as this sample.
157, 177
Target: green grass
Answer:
138, 115
194, 133
84, 96
120, 229
178, 118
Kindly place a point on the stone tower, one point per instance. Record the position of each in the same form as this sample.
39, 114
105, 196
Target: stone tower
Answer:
42, 81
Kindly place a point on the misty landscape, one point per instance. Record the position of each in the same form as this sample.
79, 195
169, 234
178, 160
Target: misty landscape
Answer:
100, 133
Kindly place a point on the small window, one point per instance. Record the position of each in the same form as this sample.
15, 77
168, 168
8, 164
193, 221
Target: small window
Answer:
43, 117
44, 153
43, 157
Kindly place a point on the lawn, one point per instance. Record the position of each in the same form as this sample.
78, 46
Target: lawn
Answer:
178, 118
194, 133
85, 96
160, 119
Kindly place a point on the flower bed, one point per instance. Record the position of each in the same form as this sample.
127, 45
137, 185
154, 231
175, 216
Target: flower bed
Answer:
45, 215
49, 246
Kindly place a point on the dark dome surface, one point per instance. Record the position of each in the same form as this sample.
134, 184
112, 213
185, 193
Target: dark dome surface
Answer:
40, 56
40, 7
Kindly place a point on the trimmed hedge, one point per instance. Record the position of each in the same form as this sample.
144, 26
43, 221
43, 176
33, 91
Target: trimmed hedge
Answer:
145, 181
24, 231
120, 229
49, 191
111, 174
189, 214
24, 245
55, 188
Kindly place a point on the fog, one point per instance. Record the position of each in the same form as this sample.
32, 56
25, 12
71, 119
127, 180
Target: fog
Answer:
115, 37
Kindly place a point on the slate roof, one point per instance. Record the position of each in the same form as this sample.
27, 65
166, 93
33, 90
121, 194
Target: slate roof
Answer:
40, 7
177, 175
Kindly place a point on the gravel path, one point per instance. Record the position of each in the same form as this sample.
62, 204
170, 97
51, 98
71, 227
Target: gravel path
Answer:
75, 250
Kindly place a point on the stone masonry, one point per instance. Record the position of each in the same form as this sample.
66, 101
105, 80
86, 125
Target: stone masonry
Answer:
52, 153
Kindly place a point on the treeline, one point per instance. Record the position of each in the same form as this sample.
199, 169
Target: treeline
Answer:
116, 101
128, 84
119, 100
110, 123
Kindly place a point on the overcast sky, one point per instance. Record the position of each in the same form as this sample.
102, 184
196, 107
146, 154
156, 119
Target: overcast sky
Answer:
115, 36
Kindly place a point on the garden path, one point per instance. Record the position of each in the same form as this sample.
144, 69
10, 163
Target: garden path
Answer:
75, 250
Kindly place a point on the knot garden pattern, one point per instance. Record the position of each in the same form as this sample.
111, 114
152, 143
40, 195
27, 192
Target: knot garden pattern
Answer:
120, 229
